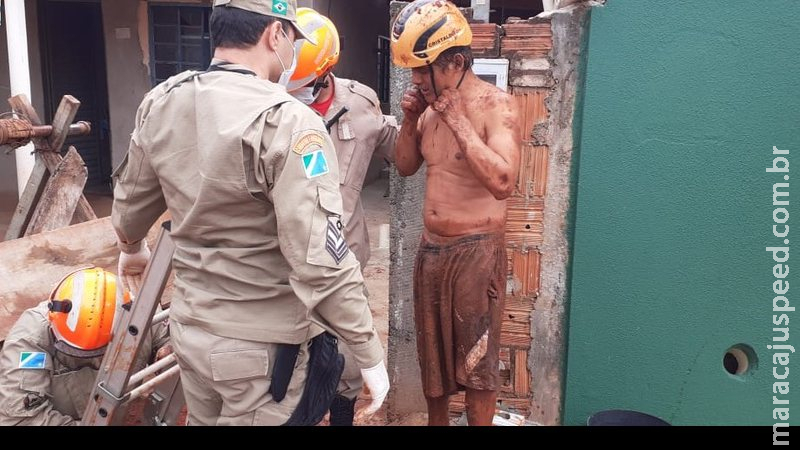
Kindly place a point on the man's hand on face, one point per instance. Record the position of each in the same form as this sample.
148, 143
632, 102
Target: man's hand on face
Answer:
450, 107
413, 104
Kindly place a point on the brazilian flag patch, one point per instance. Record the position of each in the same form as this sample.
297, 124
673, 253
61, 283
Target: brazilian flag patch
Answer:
315, 164
280, 7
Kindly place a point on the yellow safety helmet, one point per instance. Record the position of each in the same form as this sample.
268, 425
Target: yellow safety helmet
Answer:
314, 60
83, 307
426, 28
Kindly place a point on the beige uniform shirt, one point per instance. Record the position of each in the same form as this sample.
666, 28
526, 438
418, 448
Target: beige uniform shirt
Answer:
250, 178
359, 133
56, 391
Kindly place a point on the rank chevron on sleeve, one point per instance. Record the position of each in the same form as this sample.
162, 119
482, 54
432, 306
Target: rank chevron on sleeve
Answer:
334, 242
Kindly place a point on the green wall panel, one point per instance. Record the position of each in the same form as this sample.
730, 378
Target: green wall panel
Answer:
682, 104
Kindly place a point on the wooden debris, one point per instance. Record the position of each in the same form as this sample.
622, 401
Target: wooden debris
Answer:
60, 198
32, 265
50, 156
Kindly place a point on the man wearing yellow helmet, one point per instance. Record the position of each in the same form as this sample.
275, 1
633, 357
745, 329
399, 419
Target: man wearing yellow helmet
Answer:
468, 133
50, 358
360, 133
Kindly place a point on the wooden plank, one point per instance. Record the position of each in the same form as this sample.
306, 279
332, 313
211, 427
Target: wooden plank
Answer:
31, 266
60, 198
63, 118
21, 105
28, 201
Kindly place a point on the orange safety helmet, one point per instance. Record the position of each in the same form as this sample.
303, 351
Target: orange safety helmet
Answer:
83, 308
314, 61
426, 28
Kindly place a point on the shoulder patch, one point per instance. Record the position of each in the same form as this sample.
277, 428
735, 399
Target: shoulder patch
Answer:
315, 164
311, 140
32, 360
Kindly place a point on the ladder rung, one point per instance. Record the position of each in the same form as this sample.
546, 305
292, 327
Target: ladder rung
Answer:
144, 389
153, 368
162, 316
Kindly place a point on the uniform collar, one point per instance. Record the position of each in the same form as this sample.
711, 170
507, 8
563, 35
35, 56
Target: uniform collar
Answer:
221, 64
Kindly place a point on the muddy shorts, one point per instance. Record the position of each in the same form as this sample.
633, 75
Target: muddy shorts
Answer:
459, 293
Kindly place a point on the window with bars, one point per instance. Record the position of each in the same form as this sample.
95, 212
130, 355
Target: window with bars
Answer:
179, 40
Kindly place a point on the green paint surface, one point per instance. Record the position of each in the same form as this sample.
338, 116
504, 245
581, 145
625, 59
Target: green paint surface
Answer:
682, 105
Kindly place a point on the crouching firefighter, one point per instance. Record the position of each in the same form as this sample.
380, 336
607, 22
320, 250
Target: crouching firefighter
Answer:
50, 358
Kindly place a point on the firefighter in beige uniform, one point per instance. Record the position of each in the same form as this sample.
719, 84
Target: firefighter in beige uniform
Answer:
250, 178
357, 134
51, 356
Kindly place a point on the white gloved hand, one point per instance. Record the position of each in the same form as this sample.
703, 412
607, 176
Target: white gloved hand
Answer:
131, 267
377, 381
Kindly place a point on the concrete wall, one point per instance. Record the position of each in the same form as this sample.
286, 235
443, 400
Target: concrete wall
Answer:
8, 168
125, 29
407, 199
683, 104
547, 356
128, 64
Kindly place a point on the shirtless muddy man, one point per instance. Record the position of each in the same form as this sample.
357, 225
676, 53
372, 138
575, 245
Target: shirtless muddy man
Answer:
467, 131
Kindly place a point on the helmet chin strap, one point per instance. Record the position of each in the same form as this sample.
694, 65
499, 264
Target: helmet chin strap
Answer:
321, 83
433, 80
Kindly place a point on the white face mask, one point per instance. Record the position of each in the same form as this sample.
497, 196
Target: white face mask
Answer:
286, 75
306, 94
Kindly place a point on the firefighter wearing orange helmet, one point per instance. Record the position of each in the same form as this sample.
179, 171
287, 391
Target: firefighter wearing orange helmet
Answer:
360, 134
50, 358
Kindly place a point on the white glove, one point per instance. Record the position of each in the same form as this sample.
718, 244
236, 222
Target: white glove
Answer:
377, 381
131, 267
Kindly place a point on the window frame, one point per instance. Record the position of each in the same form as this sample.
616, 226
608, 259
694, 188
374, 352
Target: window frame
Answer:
205, 36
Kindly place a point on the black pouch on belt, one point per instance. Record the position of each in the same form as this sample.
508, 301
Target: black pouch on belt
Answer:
325, 366
285, 358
